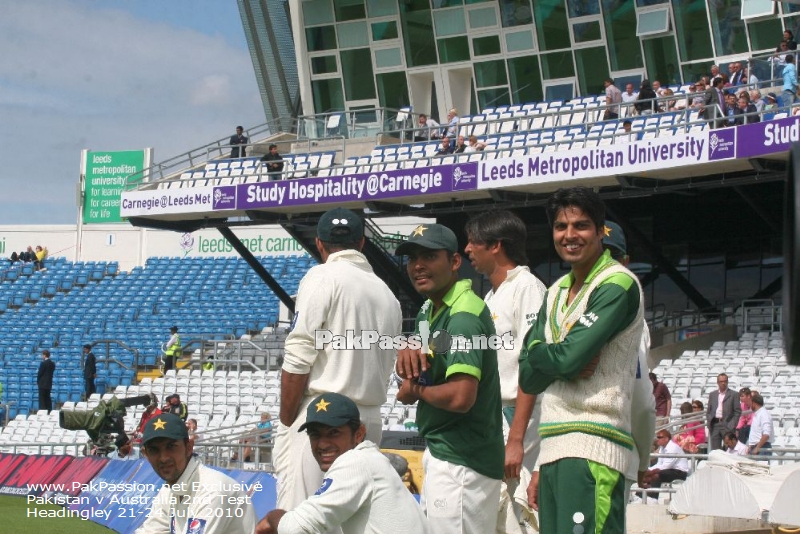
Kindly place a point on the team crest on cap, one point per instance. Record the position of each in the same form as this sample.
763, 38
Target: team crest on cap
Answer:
419, 230
160, 424
322, 405
607, 230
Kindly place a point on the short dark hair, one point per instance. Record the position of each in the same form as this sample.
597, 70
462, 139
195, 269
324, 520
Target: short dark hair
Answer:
239, 128
330, 248
609, 80
579, 197
757, 398
627, 122
744, 391
273, 145
46, 352
731, 435
500, 226
789, 58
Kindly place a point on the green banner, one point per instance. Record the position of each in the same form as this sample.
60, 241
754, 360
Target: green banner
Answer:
105, 178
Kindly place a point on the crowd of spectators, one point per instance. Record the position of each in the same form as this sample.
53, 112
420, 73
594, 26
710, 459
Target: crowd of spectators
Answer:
36, 257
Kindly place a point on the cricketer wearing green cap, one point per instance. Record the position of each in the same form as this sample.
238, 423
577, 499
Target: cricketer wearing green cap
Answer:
341, 295
361, 491
195, 497
457, 385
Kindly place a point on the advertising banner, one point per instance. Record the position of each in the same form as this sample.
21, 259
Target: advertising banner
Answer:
768, 137
358, 187
105, 177
595, 162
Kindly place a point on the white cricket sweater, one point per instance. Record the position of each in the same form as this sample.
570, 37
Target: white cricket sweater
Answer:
513, 307
342, 295
598, 406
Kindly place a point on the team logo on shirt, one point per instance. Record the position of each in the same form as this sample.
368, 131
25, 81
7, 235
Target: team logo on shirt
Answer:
196, 526
324, 487
588, 319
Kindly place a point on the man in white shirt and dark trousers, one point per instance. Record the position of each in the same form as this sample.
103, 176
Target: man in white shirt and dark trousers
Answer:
496, 248
758, 443
667, 469
361, 493
340, 295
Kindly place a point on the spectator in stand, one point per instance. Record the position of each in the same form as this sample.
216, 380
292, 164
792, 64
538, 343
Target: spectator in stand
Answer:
14, 258
629, 95
191, 427
40, 254
262, 433
29, 256
771, 102
715, 74
151, 411
274, 162
238, 143
667, 469
788, 38
789, 74
761, 432
693, 434
461, 145
644, 102
696, 94
779, 58
175, 406
663, 400
172, 350
756, 100
747, 113
669, 105
736, 73
733, 445
446, 148
474, 145
749, 79
743, 428
714, 104
427, 128
89, 370
452, 124
731, 109
722, 414
613, 98
44, 380
659, 91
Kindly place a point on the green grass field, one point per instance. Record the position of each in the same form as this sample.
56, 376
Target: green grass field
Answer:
14, 514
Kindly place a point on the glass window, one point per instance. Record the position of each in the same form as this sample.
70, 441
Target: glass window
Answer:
763, 32
392, 89
485, 46
707, 271
561, 91
790, 7
389, 57
692, 29
662, 57
449, 22
742, 273
352, 35
518, 41
584, 32
321, 38
582, 8
557, 65
418, 36
651, 22
757, 8
623, 45
482, 18
491, 98
409, 6
349, 10
381, 8
490, 73
323, 65
327, 95
453, 49
477, 1
382, 31
551, 25
694, 71
516, 12
357, 74
317, 12
525, 79
645, 3
727, 27
592, 66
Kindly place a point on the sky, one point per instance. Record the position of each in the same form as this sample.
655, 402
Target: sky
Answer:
110, 75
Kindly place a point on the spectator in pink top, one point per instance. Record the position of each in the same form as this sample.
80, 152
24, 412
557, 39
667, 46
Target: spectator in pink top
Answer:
743, 428
693, 433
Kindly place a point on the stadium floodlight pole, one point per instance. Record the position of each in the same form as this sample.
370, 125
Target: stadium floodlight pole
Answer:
254, 264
